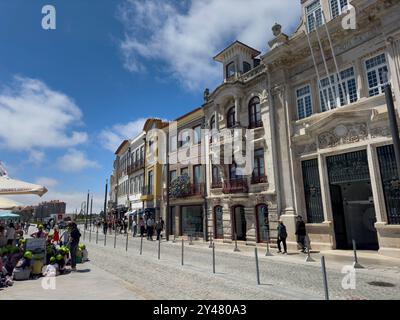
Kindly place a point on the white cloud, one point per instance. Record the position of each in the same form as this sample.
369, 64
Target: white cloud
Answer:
111, 138
47, 182
32, 116
36, 157
75, 161
184, 35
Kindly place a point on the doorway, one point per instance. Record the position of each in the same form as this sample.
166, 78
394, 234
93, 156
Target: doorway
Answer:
352, 201
239, 225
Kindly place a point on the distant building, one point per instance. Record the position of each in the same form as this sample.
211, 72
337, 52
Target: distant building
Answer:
47, 208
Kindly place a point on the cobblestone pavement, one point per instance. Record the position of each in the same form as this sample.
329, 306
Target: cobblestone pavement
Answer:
282, 277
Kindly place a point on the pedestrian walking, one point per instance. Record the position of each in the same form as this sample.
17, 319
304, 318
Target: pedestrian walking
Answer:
282, 235
159, 228
142, 226
73, 244
301, 233
134, 228
150, 226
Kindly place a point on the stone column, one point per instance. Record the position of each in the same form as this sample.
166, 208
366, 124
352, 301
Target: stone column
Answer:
227, 222
376, 184
237, 110
325, 192
393, 45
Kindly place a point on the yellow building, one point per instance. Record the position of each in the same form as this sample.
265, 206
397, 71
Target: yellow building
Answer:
152, 189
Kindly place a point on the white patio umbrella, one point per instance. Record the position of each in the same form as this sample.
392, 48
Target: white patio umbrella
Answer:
8, 204
12, 186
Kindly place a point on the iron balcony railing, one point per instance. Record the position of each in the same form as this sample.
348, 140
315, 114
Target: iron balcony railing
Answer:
137, 165
258, 179
255, 124
235, 186
194, 189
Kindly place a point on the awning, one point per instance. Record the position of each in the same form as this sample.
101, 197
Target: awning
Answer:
8, 215
12, 186
8, 204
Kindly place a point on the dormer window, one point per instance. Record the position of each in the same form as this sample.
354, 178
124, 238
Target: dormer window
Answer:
314, 15
230, 70
246, 67
337, 7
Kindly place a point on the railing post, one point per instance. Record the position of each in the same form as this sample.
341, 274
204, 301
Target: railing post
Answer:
257, 267
183, 245
325, 278
236, 246
356, 265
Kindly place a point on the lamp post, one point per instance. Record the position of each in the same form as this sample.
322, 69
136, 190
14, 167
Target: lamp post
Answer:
393, 125
87, 210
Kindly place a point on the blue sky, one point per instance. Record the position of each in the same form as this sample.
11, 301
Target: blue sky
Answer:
67, 96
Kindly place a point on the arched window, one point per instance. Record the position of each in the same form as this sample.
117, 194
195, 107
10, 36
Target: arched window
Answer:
231, 117
218, 223
262, 223
213, 128
255, 113
230, 70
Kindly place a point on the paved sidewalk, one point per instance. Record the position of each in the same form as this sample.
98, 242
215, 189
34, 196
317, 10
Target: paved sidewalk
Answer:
89, 282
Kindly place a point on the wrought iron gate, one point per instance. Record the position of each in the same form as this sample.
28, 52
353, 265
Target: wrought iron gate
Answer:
348, 167
390, 182
312, 191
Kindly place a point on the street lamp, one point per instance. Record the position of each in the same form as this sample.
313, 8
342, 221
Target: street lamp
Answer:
393, 125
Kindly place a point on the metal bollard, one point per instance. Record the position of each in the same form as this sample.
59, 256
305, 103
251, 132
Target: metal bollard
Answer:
309, 259
325, 278
141, 244
190, 240
356, 265
211, 241
84, 233
90, 234
159, 248
173, 241
236, 246
105, 239
127, 239
213, 255
115, 238
183, 245
257, 267
97, 236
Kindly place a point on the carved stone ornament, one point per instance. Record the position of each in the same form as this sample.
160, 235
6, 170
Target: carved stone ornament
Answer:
380, 132
264, 96
343, 134
308, 148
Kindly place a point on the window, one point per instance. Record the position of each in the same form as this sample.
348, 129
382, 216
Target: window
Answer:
233, 172
304, 103
377, 74
184, 138
230, 70
197, 178
259, 166
246, 67
337, 7
339, 91
255, 113
197, 134
137, 158
133, 186
172, 175
184, 171
231, 117
216, 177
150, 182
172, 143
314, 15
142, 153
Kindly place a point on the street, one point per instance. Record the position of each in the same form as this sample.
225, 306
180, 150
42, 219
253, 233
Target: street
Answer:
114, 273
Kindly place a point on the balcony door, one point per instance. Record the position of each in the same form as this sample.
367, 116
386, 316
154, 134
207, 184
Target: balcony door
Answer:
239, 225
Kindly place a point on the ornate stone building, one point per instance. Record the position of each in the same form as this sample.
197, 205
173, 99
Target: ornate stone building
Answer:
316, 105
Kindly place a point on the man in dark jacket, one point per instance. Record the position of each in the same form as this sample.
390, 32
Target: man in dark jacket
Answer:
282, 235
74, 242
301, 233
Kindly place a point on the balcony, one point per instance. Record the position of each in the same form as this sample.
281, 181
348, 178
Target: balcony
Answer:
192, 190
259, 179
216, 185
256, 124
235, 186
147, 194
138, 165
